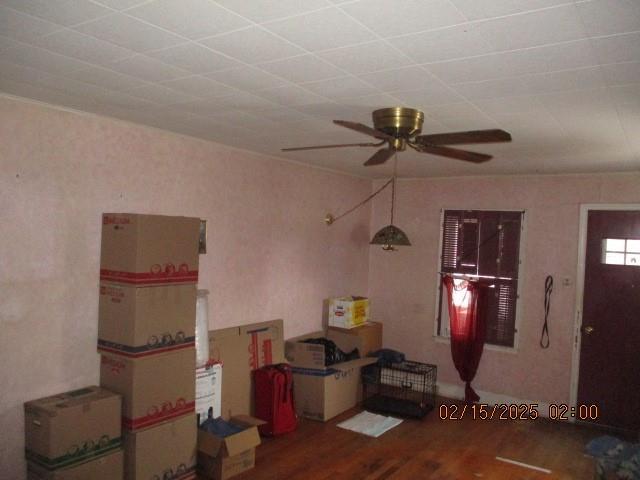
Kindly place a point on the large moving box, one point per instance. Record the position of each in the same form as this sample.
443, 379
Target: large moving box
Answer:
322, 392
348, 312
137, 322
163, 451
240, 350
154, 389
220, 458
149, 249
108, 467
73, 427
370, 334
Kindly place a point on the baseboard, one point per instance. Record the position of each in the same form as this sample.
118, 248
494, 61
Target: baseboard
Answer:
456, 392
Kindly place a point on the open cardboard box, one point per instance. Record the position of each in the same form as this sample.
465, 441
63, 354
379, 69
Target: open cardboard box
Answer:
222, 458
322, 392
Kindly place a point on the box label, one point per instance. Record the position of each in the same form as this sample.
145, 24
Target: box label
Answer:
158, 274
160, 413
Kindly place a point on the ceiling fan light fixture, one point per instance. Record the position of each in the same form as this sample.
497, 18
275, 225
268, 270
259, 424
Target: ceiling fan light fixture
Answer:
390, 236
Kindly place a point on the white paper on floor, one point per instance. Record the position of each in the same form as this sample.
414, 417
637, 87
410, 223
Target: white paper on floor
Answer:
370, 424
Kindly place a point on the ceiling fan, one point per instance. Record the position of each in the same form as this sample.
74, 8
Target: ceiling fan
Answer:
399, 127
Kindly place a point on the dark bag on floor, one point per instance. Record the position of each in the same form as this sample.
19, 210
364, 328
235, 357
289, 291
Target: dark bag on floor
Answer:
274, 399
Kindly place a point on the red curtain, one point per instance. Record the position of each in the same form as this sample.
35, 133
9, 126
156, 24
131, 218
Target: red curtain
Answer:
467, 318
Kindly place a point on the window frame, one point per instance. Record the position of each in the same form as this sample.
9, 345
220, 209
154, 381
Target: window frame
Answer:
445, 339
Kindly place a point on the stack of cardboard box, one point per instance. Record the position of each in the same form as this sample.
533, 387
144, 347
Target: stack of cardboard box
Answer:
74, 435
148, 276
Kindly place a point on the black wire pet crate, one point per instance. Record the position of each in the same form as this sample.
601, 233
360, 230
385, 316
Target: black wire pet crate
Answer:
406, 389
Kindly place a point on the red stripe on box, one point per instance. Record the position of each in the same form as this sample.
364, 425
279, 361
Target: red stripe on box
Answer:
148, 420
149, 278
147, 353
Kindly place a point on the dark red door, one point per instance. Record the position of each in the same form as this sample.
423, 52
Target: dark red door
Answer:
610, 352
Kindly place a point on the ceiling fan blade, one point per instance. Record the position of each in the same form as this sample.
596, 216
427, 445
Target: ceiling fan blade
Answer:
379, 157
459, 138
454, 153
359, 127
317, 147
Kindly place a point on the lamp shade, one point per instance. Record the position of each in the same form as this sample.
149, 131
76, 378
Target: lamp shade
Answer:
390, 235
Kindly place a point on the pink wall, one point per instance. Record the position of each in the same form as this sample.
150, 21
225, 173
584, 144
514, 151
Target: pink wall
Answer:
270, 254
403, 285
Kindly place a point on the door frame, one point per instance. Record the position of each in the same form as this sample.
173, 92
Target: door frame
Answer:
582, 252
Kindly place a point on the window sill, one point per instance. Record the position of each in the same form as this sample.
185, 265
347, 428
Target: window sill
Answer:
493, 348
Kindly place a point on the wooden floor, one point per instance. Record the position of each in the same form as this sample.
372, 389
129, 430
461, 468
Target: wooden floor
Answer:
428, 449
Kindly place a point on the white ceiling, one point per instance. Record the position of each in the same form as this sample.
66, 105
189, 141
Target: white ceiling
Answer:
562, 76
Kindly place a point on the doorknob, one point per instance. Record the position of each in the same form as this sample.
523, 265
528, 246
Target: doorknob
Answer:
587, 330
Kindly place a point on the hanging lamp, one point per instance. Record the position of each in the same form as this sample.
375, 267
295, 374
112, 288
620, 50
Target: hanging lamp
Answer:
391, 236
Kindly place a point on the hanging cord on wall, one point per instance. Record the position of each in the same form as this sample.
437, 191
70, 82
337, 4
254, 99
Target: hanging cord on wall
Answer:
548, 288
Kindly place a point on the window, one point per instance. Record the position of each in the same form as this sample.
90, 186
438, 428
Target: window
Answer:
621, 251
485, 245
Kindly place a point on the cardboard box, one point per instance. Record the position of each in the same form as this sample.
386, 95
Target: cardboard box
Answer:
73, 427
241, 350
108, 467
154, 389
222, 458
348, 312
322, 392
137, 322
149, 249
164, 451
370, 335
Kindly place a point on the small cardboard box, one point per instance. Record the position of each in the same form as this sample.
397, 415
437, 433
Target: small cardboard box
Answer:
348, 312
222, 458
167, 450
73, 427
137, 322
108, 467
149, 249
370, 335
322, 392
154, 389
240, 350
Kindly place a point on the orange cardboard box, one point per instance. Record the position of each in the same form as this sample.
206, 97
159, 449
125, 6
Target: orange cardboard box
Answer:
154, 389
145, 250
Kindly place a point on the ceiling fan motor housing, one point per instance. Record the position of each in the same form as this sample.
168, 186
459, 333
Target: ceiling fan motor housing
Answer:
399, 122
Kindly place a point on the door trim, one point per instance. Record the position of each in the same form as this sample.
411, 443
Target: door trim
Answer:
582, 251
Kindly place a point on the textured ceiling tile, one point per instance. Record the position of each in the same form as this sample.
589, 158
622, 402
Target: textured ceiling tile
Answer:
389, 19
194, 58
190, 18
444, 44
106, 78
267, 10
199, 86
129, 33
148, 69
304, 68
339, 88
247, 78
367, 57
479, 9
83, 47
62, 12
608, 17
321, 30
252, 45
542, 27
23, 27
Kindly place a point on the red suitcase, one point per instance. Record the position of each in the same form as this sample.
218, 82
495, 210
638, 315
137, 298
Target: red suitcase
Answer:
274, 399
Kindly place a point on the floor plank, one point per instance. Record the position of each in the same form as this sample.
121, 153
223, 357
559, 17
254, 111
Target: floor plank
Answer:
430, 448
